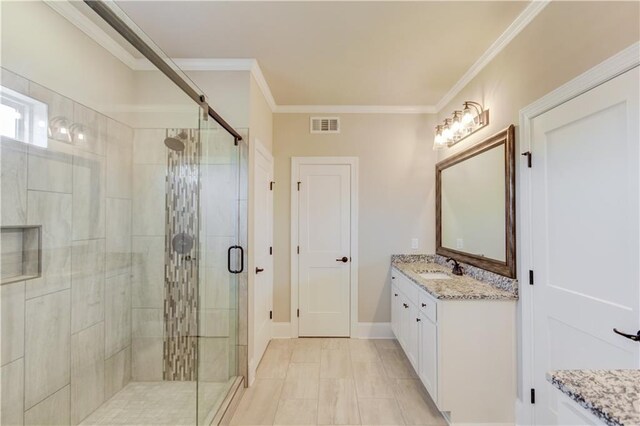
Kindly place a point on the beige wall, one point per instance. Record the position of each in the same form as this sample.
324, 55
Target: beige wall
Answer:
396, 196
563, 41
260, 117
42, 46
228, 92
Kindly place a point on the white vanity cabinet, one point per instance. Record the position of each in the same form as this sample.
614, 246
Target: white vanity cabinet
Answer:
462, 350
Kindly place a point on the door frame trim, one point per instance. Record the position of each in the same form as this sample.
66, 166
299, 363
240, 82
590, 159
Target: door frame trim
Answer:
612, 67
296, 162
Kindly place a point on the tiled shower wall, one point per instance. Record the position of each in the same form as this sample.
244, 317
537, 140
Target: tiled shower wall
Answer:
66, 337
217, 289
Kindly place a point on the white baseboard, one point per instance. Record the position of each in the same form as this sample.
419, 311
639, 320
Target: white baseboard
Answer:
364, 330
374, 330
281, 330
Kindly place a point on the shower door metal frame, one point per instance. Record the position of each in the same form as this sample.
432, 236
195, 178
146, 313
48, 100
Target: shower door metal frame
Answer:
105, 12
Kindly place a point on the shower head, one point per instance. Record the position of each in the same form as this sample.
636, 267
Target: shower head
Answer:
174, 144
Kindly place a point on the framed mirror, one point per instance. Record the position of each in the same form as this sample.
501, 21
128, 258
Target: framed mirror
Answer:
476, 205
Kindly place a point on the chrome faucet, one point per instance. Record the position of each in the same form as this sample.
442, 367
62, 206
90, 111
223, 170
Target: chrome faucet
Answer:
457, 269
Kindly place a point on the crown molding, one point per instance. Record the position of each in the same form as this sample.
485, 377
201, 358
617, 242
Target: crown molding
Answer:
518, 24
355, 109
87, 26
73, 15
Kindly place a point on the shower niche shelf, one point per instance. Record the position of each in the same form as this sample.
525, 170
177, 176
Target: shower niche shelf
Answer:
21, 250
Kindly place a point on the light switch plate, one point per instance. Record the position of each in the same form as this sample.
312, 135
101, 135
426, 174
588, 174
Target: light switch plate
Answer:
414, 243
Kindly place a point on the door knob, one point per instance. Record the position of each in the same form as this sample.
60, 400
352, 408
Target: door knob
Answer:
343, 259
258, 270
635, 338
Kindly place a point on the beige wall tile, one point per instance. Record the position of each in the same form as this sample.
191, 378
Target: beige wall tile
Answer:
148, 272
53, 212
12, 403
87, 371
12, 299
146, 359
117, 314
88, 195
13, 185
47, 344
87, 283
117, 372
118, 236
53, 411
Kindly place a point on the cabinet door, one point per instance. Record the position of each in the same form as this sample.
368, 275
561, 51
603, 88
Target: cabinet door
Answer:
404, 321
413, 336
428, 370
395, 310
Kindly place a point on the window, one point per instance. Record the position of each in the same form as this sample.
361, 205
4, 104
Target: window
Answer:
22, 118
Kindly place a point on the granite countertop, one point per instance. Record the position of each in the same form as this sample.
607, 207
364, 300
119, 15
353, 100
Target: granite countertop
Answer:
611, 395
456, 288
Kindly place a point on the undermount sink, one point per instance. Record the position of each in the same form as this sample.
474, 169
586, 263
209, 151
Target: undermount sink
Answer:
434, 276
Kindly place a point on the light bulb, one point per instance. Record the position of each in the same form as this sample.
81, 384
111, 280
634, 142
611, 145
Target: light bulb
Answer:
447, 134
81, 136
467, 117
63, 130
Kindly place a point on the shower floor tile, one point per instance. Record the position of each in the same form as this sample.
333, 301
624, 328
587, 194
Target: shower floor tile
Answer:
157, 403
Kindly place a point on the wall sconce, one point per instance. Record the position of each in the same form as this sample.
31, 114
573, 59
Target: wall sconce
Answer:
78, 133
472, 118
59, 129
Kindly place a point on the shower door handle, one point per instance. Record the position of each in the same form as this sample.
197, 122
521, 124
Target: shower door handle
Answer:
235, 271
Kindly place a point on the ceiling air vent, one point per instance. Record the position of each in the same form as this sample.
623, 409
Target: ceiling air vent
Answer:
325, 125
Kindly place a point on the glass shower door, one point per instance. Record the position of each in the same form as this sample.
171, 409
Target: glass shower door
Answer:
221, 267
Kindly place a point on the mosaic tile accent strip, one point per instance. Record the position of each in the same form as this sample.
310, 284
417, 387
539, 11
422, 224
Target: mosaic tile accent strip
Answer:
181, 258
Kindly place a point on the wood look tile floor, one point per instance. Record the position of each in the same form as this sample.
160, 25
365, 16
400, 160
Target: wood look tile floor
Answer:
327, 381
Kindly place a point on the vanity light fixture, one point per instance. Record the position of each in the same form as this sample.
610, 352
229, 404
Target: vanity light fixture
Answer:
78, 133
462, 123
59, 129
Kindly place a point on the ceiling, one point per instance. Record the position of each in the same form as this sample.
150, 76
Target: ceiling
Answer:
335, 53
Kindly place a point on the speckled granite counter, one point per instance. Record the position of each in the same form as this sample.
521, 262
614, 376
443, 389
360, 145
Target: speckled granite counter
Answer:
456, 288
611, 395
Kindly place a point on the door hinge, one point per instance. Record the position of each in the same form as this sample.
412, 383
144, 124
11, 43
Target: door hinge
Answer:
298, 250
271, 251
271, 185
298, 313
270, 314
528, 155
533, 396
299, 185
530, 277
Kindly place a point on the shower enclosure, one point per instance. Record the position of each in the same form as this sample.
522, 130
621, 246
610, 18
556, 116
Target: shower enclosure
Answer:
123, 217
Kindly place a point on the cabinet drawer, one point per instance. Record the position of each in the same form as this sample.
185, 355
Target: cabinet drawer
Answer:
408, 288
428, 306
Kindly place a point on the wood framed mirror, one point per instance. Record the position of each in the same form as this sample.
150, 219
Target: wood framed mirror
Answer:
476, 205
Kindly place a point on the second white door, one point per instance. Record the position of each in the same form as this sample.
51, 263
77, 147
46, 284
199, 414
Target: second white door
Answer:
263, 252
324, 260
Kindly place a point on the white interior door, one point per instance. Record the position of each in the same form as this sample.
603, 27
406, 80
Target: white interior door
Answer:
324, 261
585, 235
263, 254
